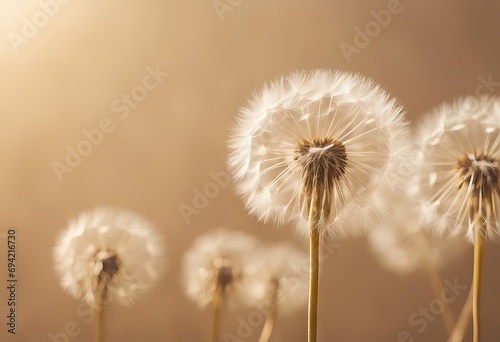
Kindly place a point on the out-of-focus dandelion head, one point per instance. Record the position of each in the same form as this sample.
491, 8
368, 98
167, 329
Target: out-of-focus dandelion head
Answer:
332, 135
217, 261
278, 278
109, 252
402, 245
458, 179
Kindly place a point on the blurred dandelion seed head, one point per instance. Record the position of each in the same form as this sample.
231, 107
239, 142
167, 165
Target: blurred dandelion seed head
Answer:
279, 274
110, 253
459, 174
225, 273
218, 260
334, 131
402, 245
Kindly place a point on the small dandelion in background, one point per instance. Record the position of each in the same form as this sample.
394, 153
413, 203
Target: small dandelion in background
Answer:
108, 254
459, 176
214, 269
402, 245
277, 281
320, 149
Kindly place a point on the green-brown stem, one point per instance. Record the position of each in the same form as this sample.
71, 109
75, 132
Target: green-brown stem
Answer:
476, 280
98, 310
216, 304
314, 216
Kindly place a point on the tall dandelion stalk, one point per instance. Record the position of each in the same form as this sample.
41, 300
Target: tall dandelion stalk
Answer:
321, 150
476, 278
108, 254
460, 177
215, 271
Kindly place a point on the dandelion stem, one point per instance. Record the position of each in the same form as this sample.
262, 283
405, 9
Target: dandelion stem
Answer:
216, 304
476, 279
98, 309
314, 216
313, 286
438, 289
268, 328
463, 321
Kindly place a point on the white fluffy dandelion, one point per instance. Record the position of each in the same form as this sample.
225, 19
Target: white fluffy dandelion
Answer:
214, 269
336, 131
459, 177
110, 250
108, 254
320, 149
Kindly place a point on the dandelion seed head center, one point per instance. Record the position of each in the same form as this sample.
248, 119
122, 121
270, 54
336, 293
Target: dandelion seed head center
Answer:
323, 161
225, 276
481, 171
110, 263
226, 271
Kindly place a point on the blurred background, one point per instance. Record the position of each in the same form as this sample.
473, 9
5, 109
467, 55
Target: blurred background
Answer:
70, 67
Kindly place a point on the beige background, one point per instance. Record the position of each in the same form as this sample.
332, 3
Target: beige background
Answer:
65, 78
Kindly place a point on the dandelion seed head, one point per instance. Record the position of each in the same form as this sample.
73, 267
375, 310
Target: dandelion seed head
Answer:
402, 244
459, 174
279, 275
110, 252
335, 132
218, 260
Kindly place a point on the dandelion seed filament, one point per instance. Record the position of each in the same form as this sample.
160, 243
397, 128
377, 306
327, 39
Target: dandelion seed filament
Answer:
110, 267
